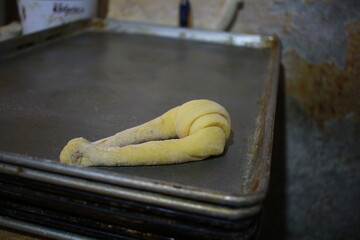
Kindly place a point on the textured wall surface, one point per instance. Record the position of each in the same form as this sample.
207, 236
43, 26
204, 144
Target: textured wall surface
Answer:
205, 12
321, 51
314, 191
316, 175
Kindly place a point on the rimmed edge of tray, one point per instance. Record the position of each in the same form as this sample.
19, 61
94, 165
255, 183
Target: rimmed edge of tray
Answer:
137, 195
260, 153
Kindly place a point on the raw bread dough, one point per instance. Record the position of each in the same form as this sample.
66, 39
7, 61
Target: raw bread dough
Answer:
190, 132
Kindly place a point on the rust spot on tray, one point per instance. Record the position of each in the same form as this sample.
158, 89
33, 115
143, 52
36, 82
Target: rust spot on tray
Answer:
261, 144
19, 170
255, 185
324, 90
98, 24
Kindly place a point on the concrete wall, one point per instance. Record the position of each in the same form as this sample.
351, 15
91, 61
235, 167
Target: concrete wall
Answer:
320, 131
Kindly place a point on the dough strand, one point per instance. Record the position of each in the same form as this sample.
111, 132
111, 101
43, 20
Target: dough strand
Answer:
190, 132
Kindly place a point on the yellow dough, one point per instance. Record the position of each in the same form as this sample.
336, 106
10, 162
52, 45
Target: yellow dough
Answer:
190, 132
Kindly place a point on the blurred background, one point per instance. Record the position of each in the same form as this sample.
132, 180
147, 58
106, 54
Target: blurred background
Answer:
315, 177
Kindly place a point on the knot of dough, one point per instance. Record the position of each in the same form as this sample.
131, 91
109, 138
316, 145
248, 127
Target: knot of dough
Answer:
198, 114
190, 132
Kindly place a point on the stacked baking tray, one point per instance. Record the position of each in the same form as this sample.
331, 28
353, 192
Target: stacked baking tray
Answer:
96, 78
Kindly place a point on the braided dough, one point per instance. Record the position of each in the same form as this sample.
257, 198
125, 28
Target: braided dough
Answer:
190, 132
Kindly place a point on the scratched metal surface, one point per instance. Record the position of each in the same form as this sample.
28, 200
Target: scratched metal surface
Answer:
95, 84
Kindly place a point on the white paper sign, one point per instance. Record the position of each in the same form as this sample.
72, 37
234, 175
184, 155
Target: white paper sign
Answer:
37, 15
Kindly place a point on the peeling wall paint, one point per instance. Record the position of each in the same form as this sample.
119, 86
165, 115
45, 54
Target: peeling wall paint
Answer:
325, 90
315, 29
318, 29
321, 49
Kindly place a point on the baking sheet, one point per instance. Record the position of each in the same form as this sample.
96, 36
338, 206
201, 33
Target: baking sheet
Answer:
109, 214
99, 81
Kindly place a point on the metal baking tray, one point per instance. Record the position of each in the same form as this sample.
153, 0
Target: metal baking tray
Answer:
36, 202
110, 209
136, 195
96, 78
